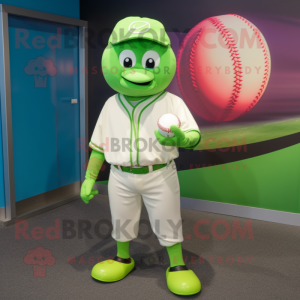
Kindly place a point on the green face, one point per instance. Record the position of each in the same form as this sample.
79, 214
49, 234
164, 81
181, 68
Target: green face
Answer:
138, 67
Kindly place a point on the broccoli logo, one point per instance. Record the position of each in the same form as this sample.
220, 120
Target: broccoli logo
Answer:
40, 258
40, 68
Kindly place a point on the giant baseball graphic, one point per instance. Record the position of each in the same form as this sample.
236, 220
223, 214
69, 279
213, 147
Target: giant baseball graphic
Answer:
223, 67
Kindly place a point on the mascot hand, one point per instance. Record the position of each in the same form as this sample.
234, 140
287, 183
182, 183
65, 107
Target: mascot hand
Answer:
87, 193
179, 140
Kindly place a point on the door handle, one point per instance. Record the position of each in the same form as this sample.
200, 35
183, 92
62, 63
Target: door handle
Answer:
69, 100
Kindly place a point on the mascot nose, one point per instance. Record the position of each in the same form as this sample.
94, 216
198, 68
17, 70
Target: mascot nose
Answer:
138, 75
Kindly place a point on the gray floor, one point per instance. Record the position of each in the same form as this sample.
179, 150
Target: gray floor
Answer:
273, 272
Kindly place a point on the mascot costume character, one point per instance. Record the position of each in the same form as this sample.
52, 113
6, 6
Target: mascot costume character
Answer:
139, 64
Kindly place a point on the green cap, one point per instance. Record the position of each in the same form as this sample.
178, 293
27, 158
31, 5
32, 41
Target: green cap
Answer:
142, 28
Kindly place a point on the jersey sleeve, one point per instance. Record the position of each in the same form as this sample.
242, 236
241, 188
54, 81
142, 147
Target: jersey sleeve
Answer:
97, 142
187, 120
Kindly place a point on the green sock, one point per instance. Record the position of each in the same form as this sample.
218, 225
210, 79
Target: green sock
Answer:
175, 255
123, 249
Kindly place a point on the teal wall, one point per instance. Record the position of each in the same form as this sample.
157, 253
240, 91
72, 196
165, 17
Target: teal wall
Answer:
67, 8
2, 199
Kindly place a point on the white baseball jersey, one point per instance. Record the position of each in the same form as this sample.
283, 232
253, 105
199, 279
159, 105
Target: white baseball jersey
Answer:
125, 133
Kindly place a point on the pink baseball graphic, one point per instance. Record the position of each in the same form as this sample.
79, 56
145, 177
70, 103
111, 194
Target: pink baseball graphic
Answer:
39, 258
223, 67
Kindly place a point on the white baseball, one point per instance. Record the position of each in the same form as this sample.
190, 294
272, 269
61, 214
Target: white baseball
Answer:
164, 123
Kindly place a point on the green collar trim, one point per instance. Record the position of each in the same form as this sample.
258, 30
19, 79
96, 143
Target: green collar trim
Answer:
130, 101
140, 101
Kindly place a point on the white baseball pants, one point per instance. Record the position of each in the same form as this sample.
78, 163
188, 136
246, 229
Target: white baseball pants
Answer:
161, 195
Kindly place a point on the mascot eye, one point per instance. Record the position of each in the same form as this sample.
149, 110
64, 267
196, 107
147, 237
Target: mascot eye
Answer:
127, 62
127, 59
150, 63
151, 60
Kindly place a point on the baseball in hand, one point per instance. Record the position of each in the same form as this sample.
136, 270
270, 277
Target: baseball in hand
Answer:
224, 67
164, 123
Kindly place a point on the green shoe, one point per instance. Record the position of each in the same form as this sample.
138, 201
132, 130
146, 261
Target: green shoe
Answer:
112, 269
182, 281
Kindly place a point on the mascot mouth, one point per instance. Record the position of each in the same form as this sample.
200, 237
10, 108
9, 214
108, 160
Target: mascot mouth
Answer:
139, 83
139, 79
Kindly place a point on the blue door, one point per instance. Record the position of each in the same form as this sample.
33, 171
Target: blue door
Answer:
44, 60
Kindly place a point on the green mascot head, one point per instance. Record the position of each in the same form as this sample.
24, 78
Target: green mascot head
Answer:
138, 60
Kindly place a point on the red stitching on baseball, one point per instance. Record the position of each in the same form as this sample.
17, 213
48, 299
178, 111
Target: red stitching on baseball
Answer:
237, 65
190, 65
179, 122
168, 130
192, 70
267, 64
